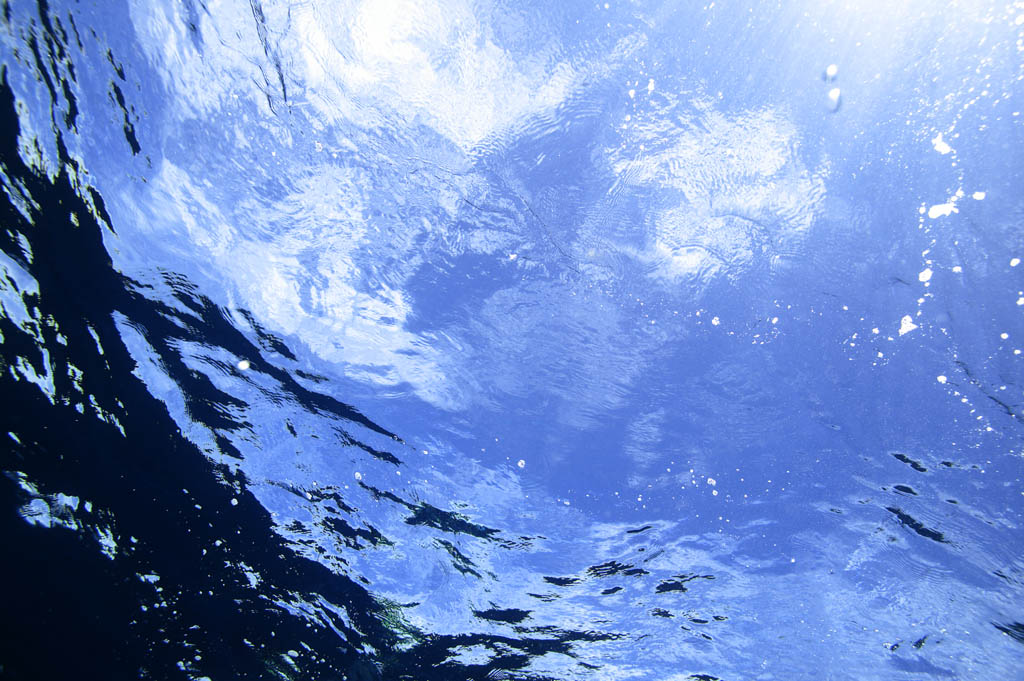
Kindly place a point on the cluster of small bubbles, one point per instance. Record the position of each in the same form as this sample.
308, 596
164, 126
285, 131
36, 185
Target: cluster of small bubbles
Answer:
635, 87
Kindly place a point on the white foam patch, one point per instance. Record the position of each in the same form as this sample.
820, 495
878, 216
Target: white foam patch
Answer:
369, 63
942, 210
202, 80
940, 145
907, 325
317, 294
425, 59
739, 179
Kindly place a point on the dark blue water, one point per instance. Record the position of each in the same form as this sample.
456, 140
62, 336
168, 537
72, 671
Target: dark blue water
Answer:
489, 340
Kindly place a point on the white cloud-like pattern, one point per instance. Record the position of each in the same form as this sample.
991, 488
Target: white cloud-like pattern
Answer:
741, 186
329, 258
427, 62
373, 63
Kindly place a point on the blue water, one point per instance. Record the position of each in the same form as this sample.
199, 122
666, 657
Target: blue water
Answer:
459, 339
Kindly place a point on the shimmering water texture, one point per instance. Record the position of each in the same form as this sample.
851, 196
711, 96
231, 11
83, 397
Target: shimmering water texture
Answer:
407, 340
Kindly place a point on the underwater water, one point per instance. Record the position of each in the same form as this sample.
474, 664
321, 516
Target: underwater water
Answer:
479, 339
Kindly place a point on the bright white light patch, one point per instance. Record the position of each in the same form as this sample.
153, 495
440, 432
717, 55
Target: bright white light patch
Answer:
907, 324
243, 364
942, 210
978, 196
925, 275
940, 379
940, 145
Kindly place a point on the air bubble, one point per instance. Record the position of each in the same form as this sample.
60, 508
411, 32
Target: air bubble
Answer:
834, 99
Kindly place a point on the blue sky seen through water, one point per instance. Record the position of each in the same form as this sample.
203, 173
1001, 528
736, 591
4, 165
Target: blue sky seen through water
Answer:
687, 336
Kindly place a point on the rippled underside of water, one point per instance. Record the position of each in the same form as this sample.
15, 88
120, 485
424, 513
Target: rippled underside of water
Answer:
482, 340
